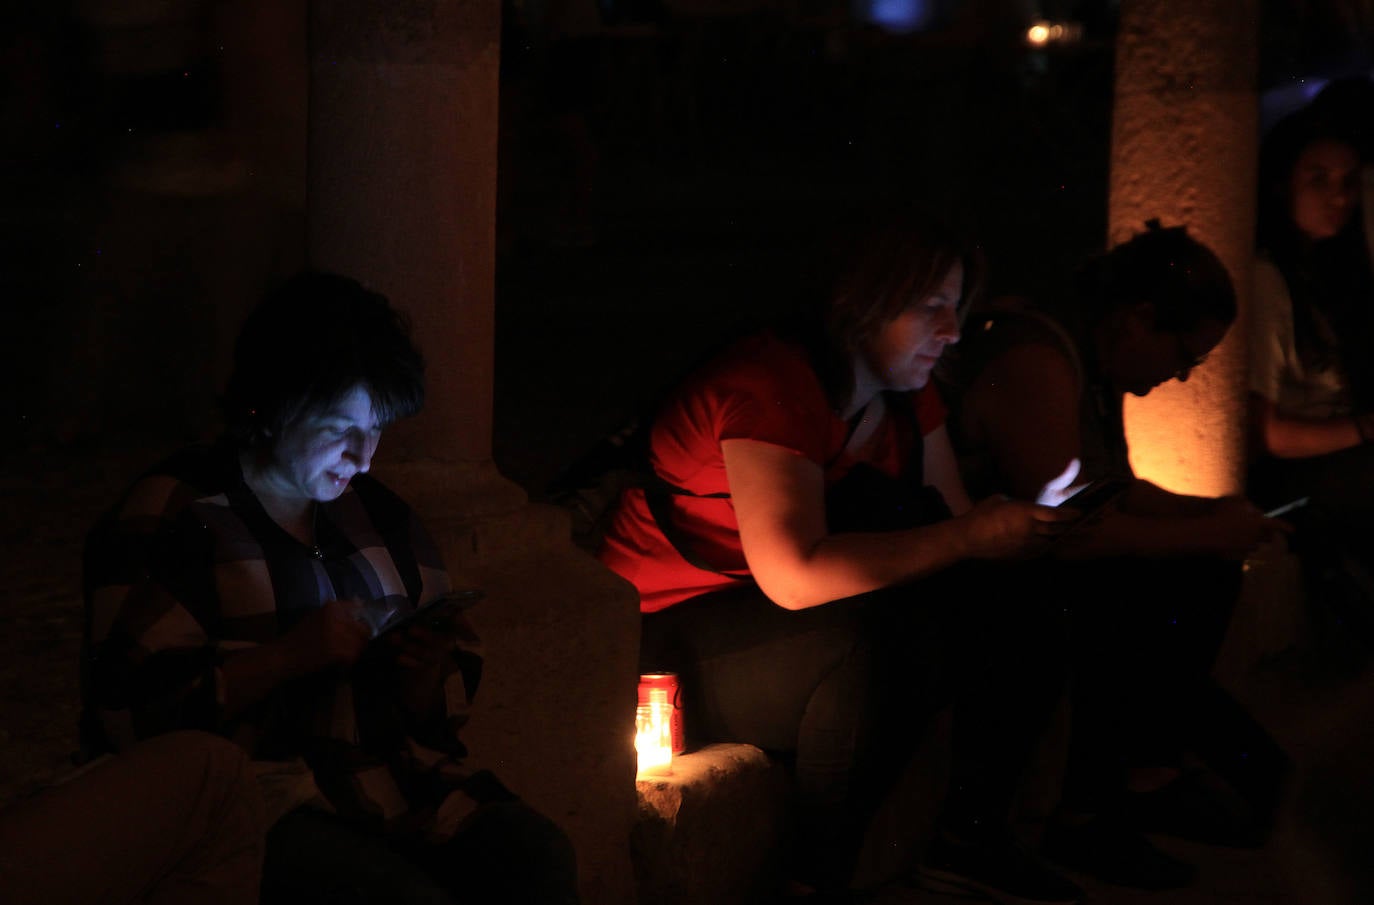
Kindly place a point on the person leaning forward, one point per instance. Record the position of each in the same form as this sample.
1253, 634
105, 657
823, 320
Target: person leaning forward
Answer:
1149, 580
817, 567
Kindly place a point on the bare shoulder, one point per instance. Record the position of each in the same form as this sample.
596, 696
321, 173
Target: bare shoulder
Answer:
1030, 367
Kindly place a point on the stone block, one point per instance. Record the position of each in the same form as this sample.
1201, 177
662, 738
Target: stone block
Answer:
554, 716
712, 832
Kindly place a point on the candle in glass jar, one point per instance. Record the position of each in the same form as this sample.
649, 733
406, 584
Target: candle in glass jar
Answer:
653, 738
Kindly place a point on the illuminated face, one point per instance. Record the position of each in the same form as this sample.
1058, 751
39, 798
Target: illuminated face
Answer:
318, 453
1148, 357
1323, 188
905, 350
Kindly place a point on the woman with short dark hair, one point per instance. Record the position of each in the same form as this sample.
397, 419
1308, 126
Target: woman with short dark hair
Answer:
312, 340
242, 588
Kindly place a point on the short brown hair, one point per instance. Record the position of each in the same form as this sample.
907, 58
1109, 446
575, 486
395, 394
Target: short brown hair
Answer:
903, 258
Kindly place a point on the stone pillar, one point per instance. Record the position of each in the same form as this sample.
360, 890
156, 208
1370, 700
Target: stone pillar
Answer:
402, 189
1184, 148
402, 196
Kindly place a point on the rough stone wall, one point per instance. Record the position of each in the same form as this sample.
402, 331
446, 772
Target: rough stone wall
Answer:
1184, 149
402, 189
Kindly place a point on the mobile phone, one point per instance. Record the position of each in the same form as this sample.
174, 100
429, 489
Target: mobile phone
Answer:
1288, 507
1096, 495
1090, 501
434, 614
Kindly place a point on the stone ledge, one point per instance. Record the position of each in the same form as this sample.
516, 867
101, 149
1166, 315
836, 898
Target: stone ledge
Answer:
710, 833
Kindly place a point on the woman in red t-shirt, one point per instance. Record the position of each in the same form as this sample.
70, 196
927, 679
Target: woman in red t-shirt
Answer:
798, 562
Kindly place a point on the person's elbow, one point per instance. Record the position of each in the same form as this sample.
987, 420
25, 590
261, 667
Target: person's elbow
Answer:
787, 591
1273, 438
1269, 434
796, 562
790, 581
816, 579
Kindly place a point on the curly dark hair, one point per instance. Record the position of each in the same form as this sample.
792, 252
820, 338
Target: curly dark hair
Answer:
310, 341
1179, 277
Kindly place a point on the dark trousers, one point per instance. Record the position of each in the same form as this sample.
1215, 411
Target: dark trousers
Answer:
844, 691
1144, 636
1334, 540
506, 853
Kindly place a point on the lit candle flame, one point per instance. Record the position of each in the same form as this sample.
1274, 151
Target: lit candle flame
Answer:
653, 738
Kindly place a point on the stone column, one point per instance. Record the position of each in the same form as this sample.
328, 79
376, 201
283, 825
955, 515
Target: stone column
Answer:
402, 196
1184, 149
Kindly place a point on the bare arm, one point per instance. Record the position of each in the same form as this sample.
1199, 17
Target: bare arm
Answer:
1024, 406
779, 500
1296, 438
1228, 527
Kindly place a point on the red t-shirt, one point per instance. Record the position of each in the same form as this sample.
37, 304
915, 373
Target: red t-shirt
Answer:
762, 389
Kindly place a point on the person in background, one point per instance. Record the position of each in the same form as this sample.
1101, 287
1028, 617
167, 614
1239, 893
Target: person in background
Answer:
1311, 377
809, 563
238, 589
1349, 103
1148, 580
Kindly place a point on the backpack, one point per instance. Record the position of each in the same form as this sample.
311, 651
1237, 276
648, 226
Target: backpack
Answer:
591, 487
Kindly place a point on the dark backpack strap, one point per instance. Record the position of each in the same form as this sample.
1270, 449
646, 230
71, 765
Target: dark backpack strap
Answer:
658, 493
867, 499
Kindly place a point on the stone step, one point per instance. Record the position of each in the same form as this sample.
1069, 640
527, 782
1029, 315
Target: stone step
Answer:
711, 832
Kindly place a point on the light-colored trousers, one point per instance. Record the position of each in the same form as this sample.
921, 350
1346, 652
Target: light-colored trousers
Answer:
175, 819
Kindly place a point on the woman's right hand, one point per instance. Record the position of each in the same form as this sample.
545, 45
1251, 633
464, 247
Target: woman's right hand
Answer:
333, 635
330, 636
1002, 528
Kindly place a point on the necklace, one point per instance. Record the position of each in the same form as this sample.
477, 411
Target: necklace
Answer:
303, 529
314, 532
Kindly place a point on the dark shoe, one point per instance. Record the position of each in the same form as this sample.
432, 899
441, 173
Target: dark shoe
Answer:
1246, 778
1197, 807
833, 897
998, 868
1114, 853
798, 893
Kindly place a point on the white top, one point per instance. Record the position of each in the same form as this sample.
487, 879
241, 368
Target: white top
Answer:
1276, 373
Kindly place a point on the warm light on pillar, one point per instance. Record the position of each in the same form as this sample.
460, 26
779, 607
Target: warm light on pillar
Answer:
1184, 137
1174, 436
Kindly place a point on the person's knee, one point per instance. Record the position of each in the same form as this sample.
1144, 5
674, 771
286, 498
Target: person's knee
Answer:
197, 751
518, 855
517, 827
221, 769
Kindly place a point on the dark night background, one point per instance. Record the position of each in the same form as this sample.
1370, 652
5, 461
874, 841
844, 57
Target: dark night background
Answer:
666, 170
